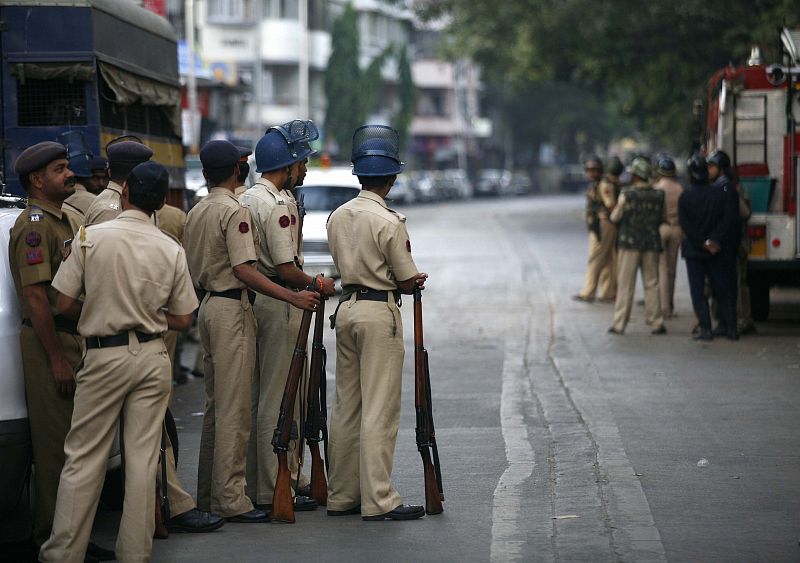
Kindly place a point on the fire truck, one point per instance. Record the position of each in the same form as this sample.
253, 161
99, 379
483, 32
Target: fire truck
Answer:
751, 114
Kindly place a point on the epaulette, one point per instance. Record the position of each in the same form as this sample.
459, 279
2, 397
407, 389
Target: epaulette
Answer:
398, 215
35, 214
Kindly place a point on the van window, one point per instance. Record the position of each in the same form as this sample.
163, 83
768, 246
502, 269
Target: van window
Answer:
44, 103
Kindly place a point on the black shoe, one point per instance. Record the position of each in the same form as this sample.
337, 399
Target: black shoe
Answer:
660, 330
747, 328
402, 512
255, 516
703, 334
194, 521
720, 330
99, 553
349, 512
732, 334
304, 504
304, 491
613, 330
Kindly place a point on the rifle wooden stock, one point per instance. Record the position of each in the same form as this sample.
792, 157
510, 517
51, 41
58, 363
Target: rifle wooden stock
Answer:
282, 502
425, 431
316, 419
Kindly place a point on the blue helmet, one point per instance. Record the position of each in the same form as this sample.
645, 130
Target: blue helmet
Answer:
298, 133
78, 153
376, 151
274, 152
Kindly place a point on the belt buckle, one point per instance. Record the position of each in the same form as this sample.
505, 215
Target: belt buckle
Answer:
363, 290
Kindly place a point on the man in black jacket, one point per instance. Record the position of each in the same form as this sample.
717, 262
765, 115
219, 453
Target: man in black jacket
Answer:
722, 179
702, 216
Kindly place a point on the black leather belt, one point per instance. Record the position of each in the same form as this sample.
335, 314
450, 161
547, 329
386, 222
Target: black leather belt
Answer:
63, 324
234, 294
367, 294
120, 339
277, 279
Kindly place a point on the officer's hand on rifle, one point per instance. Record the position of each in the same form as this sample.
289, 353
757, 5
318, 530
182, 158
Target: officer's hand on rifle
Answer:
408, 286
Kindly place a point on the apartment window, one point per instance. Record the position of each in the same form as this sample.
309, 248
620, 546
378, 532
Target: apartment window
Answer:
280, 9
230, 11
318, 15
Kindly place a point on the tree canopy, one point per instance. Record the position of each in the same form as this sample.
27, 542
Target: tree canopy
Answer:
639, 64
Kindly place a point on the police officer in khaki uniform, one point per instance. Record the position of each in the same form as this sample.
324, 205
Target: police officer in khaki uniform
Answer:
278, 322
126, 370
221, 248
371, 248
170, 220
80, 162
671, 233
99, 179
51, 349
123, 155
601, 198
639, 212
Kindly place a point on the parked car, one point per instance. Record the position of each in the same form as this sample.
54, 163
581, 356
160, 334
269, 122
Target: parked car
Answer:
423, 185
520, 183
323, 190
15, 437
574, 178
492, 182
459, 182
402, 191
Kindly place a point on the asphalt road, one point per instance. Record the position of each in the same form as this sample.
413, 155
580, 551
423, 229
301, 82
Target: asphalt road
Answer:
559, 442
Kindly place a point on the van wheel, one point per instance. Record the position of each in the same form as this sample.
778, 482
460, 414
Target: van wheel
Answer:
113, 492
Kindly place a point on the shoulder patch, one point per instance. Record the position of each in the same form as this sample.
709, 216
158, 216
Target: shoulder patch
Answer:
284, 221
33, 238
294, 220
244, 227
34, 256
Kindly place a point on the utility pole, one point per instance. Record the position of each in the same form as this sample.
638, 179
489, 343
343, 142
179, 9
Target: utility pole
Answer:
191, 81
302, 67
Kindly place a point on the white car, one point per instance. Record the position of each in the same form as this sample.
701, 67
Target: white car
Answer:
323, 190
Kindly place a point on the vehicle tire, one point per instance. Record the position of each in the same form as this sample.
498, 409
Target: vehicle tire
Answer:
759, 301
113, 492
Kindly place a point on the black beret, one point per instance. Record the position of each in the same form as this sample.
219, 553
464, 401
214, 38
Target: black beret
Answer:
99, 163
149, 175
244, 152
38, 156
219, 154
128, 152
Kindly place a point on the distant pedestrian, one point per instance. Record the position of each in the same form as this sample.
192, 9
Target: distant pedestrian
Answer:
701, 214
639, 213
671, 234
601, 198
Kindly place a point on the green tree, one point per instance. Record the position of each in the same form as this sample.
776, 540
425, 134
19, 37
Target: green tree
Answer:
407, 95
342, 81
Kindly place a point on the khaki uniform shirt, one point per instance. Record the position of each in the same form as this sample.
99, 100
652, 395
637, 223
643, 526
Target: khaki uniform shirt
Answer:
672, 191
148, 271
606, 193
39, 243
296, 227
240, 190
107, 205
172, 221
369, 243
272, 217
76, 206
218, 236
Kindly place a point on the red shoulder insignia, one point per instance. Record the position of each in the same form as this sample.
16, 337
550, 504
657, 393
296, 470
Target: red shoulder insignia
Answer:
284, 221
294, 219
33, 238
244, 227
34, 256
408, 245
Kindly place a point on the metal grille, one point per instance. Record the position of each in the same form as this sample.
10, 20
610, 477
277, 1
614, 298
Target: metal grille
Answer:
44, 103
376, 140
316, 246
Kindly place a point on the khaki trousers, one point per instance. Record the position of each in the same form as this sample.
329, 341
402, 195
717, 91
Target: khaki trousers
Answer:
228, 333
601, 268
671, 237
628, 263
278, 325
366, 410
133, 381
49, 415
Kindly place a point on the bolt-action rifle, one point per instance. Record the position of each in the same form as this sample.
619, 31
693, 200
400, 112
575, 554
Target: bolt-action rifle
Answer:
316, 425
426, 433
282, 502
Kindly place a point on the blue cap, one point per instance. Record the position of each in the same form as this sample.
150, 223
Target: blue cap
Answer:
99, 163
149, 175
128, 152
219, 154
376, 151
38, 156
